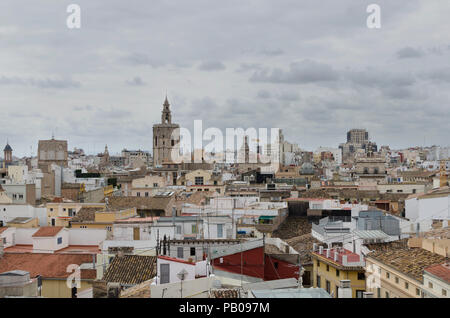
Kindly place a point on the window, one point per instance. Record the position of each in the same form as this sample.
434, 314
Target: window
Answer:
406, 285
378, 292
219, 230
328, 268
328, 287
387, 295
180, 252
318, 264
59, 240
444, 292
178, 229
430, 285
359, 293
198, 180
51, 209
417, 291
109, 228
164, 273
194, 228
138, 194
361, 276
275, 264
155, 185
318, 281
414, 190
388, 276
146, 194
396, 280
337, 273
192, 251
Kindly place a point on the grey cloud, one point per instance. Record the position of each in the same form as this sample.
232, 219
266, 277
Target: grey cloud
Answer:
264, 94
304, 72
272, 52
136, 81
139, 59
40, 83
211, 66
409, 52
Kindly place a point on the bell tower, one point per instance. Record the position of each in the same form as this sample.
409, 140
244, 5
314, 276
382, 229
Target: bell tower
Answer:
7, 158
166, 138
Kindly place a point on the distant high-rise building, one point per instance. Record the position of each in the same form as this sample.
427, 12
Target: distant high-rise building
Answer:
357, 136
357, 139
166, 138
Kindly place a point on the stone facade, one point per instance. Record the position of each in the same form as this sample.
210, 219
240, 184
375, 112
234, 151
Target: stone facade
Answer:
166, 138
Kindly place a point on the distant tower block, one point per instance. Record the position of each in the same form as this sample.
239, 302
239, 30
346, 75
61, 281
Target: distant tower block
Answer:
166, 138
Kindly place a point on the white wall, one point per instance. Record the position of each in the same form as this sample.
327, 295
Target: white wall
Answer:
50, 244
11, 211
198, 288
175, 268
86, 236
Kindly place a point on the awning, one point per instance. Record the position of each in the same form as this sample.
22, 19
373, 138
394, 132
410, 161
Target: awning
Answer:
266, 217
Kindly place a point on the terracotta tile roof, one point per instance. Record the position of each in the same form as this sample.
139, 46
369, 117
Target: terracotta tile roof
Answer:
138, 291
140, 203
410, 261
225, 293
46, 265
86, 214
441, 271
131, 269
47, 231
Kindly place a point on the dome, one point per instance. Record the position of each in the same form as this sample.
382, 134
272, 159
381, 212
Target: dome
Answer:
307, 168
7, 148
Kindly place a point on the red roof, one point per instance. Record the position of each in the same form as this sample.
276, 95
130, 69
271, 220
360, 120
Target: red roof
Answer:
46, 265
351, 257
440, 270
173, 259
47, 231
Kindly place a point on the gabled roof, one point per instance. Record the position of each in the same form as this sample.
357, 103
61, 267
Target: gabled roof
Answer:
47, 231
441, 271
131, 269
46, 265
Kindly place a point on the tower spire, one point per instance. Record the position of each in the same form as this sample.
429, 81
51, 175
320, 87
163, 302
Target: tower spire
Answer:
166, 116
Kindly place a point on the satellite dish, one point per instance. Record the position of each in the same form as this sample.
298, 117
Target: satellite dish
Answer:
182, 275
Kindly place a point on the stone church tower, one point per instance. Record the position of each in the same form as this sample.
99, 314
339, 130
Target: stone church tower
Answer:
166, 138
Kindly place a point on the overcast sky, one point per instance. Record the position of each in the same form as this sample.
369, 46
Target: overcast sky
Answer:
314, 70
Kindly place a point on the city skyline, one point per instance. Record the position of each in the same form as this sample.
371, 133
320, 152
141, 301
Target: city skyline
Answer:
313, 72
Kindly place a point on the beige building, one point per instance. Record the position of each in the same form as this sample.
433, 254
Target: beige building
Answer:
61, 213
404, 187
148, 185
394, 270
